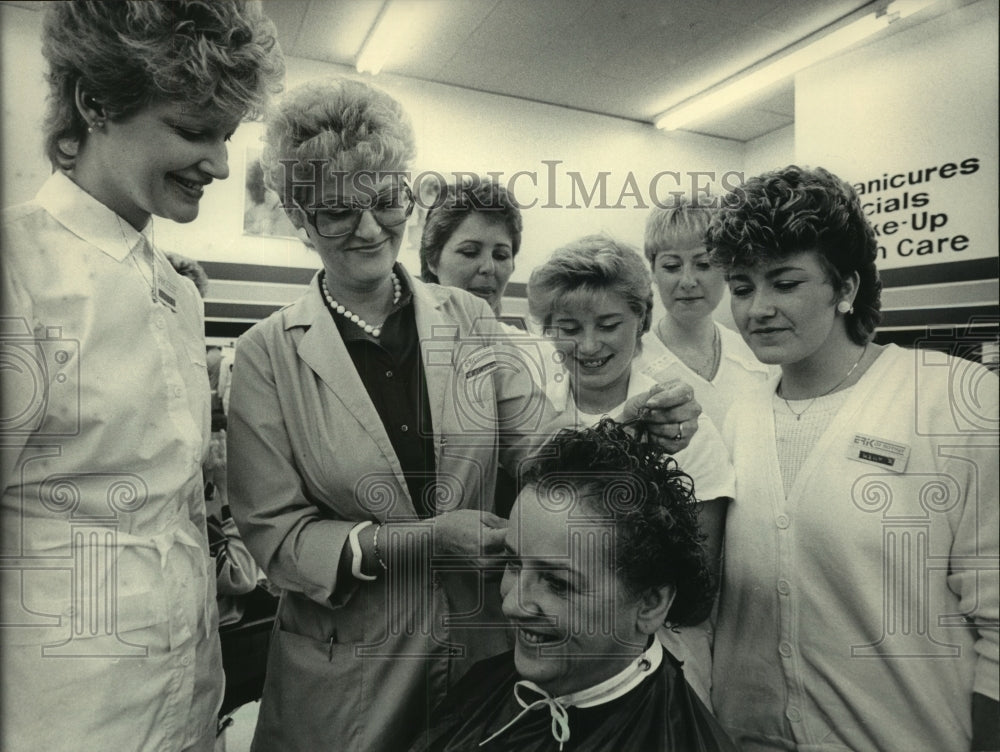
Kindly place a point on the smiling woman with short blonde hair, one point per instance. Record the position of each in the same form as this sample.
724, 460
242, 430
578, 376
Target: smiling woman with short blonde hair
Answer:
143, 97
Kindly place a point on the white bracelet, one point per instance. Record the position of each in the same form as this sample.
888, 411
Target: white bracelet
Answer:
356, 552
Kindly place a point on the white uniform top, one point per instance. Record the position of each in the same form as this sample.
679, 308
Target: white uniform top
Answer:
739, 371
859, 611
108, 597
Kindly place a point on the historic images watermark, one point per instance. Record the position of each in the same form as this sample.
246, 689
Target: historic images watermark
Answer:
919, 511
548, 186
40, 415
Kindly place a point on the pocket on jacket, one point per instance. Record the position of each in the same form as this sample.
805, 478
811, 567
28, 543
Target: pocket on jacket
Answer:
303, 672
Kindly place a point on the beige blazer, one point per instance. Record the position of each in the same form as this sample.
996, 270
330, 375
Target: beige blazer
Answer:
309, 458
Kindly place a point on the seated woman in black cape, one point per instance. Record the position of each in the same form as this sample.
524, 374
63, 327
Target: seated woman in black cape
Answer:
603, 548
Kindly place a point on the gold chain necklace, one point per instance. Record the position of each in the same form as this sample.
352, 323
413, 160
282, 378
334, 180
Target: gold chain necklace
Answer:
798, 416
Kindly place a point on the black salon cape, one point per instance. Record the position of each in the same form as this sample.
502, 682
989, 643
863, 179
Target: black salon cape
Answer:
663, 714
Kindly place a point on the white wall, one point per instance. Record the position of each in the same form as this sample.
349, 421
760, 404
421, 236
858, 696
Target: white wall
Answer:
23, 167
769, 152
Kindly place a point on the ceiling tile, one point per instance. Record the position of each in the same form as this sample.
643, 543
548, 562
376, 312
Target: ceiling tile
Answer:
287, 17
444, 30
747, 124
334, 31
630, 60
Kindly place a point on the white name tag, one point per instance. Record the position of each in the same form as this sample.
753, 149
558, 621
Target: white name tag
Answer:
482, 362
166, 290
889, 455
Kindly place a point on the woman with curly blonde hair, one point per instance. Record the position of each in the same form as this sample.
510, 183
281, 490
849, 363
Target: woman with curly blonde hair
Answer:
102, 473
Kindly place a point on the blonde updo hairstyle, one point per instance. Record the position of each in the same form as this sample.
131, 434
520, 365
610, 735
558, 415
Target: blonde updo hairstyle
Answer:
339, 126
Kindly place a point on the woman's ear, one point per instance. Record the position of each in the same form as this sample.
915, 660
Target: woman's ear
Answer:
850, 289
89, 108
653, 608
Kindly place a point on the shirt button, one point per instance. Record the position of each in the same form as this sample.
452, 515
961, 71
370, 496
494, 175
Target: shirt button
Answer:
388, 374
785, 649
793, 715
783, 587
186, 660
404, 428
782, 521
178, 391
160, 323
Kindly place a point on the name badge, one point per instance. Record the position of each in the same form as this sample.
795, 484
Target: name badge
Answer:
888, 455
480, 363
167, 297
166, 290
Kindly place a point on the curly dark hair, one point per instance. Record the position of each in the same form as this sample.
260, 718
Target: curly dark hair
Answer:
452, 207
796, 209
188, 267
649, 498
222, 55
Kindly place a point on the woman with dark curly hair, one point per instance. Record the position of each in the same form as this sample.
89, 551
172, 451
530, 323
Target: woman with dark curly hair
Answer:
102, 471
603, 549
470, 239
853, 614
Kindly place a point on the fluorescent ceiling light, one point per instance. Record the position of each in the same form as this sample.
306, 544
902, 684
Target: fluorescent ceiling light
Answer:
394, 25
784, 65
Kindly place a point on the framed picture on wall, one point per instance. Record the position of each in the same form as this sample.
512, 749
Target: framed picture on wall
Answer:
262, 212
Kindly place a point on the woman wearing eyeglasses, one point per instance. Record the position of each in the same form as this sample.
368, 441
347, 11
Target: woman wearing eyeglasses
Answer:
366, 424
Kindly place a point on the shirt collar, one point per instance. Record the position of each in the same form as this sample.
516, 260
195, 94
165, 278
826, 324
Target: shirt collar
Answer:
558, 390
88, 218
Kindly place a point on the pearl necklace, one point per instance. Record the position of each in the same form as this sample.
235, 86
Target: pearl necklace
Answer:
373, 329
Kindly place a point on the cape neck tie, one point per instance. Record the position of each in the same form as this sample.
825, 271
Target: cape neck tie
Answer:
619, 684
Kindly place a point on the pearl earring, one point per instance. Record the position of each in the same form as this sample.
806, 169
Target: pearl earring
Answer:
96, 124
845, 307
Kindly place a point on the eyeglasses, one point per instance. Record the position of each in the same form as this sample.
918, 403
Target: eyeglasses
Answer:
390, 208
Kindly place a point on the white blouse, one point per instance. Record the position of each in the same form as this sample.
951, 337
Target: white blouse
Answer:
109, 605
739, 371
